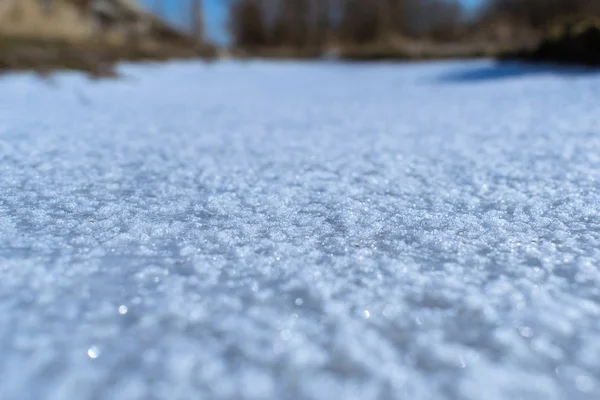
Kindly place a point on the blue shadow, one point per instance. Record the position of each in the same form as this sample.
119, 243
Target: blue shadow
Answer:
511, 70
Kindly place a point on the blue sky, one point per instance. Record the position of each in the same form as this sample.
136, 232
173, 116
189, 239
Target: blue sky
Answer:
178, 11
216, 13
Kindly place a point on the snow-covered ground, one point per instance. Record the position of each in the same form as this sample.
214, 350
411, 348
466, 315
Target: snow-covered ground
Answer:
301, 231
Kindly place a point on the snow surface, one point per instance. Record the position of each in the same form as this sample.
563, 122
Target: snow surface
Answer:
301, 231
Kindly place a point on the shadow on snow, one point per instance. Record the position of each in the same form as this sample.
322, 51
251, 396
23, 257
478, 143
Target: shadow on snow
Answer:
510, 70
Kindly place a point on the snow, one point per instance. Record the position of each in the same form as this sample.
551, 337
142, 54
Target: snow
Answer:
301, 231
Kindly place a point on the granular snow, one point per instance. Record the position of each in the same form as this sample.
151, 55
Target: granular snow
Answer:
301, 231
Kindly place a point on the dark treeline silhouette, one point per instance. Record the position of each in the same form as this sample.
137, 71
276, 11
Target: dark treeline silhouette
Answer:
54, 33
570, 30
539, 14
319, 24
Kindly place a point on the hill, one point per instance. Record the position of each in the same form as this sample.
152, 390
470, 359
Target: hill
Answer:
86, 34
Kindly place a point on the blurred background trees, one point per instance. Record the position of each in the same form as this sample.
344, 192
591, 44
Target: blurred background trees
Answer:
539, 14
321, 23
301, 23
318, 23
292, 28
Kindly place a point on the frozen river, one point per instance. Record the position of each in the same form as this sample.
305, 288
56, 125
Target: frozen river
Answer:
301, 231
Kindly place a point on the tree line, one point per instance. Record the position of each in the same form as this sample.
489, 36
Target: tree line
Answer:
318, 23
538, 14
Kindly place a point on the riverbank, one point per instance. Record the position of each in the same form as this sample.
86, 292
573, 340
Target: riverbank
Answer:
78, 35
569, 43
95, 57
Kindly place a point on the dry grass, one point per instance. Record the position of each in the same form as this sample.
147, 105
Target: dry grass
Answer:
97, 58
278, 53
398, 50
64, 38
26, 19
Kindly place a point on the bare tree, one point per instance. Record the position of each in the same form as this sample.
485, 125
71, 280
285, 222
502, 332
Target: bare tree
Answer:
47, 5
539, 13
293, 24
197, 20
301, 23
359, 22
322, 25
159, 7
247, 24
